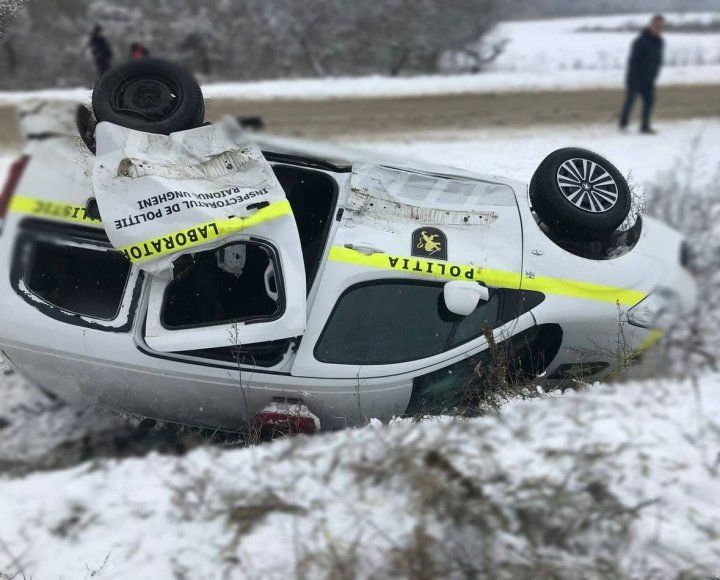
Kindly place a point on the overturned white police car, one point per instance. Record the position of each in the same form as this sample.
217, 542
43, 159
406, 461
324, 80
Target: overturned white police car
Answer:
334, 287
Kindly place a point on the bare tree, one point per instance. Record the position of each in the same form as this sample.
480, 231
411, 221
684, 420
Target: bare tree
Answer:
247, 39
8, 9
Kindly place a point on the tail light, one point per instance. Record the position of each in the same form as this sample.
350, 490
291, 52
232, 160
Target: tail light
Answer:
282, 418
13, 178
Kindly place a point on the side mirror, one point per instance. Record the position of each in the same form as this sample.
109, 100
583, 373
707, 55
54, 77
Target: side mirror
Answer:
462, 297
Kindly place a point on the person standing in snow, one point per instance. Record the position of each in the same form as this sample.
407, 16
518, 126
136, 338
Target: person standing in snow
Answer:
100, 48
646, 58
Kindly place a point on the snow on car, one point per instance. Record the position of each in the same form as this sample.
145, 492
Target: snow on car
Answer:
381, 289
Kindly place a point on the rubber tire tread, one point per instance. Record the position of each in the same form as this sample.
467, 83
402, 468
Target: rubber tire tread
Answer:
190, 114
563, 217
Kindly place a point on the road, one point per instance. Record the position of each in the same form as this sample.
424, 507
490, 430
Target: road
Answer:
388, 116
402, 115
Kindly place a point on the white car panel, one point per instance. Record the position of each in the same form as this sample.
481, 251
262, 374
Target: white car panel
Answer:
378, 239
377, 235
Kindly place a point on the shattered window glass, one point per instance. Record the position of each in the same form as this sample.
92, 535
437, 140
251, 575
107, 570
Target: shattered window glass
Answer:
230, 284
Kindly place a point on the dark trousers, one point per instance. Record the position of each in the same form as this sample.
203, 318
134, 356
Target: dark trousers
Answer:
103, 65
648, 98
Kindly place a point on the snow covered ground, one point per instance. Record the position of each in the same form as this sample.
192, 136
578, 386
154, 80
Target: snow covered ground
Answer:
540, 56
569, 44
379, 86
615, 482
488, 82
517, 151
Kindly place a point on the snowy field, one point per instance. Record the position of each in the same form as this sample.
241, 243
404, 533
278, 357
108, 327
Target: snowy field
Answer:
541, 55
617, 482
570, 44
515, 152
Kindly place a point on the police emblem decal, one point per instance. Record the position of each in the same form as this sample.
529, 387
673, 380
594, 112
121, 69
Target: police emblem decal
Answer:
429, 243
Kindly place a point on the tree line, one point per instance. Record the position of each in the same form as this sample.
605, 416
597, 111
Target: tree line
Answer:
249, 39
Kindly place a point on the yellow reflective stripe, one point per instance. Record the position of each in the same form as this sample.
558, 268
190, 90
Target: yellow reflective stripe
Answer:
491, 277
201, 234
424, 267
52, 210
651, 339
584, 290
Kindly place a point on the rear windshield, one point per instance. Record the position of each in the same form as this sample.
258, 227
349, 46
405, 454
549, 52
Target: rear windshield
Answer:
80, 280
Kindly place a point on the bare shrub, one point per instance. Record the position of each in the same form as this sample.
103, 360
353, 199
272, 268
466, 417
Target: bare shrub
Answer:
8, 10
687, 197
474, 520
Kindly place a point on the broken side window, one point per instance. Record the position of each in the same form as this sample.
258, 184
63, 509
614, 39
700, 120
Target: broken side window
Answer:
235, 283
85, 281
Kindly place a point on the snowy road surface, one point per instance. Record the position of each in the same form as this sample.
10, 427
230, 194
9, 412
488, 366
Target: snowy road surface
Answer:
370, 117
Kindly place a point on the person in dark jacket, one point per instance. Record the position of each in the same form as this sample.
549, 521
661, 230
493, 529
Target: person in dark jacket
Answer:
100, 48
646, 58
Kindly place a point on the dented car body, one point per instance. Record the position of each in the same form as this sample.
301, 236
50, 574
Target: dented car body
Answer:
337, 304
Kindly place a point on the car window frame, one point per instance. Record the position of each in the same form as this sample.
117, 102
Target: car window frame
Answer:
34, 230
449, 346
279, 283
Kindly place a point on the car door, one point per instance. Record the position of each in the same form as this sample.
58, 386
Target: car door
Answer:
248, 289
406, 227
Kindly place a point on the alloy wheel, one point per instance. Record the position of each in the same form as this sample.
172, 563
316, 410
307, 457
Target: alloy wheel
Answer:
587, 185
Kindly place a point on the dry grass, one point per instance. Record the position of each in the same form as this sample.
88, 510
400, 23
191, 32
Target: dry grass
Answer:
687, 197
473, 518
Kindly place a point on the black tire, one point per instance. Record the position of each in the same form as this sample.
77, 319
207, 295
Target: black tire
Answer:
150, 95
580, 194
